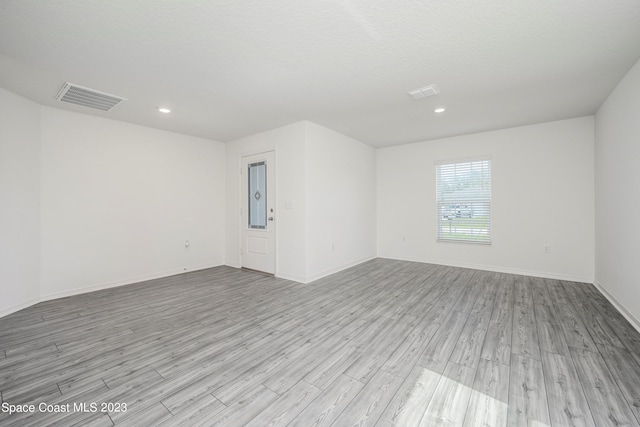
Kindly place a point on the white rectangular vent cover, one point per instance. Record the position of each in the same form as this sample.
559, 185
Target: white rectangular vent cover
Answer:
86, 97
423, 92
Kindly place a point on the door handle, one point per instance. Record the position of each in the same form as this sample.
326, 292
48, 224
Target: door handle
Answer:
270, 218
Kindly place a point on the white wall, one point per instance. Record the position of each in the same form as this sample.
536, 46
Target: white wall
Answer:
341, 202
120, 200
618, 195
19, 202
542, 194
288, 142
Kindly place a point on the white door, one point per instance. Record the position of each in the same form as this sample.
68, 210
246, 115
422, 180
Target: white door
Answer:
257, 212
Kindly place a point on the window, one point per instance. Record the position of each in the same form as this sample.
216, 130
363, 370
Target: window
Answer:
463, 199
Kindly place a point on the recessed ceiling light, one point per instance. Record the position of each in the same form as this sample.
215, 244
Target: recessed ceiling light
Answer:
440, 110
164, 110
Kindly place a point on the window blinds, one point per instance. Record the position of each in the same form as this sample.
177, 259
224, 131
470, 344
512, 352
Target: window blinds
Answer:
463, 199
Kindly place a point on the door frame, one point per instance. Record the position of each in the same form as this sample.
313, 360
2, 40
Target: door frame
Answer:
242, 207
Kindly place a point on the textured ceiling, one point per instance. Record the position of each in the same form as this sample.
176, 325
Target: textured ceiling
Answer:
232, 68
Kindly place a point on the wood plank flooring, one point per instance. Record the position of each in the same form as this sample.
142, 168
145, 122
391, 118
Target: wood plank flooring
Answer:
386, 343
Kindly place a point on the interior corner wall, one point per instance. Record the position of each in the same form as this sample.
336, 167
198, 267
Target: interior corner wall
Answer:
542, 195
341, 202
289, 145
119, 201
19, 202
617, 195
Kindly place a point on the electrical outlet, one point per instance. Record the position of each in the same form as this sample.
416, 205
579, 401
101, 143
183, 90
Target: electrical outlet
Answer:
547, 249
187, 244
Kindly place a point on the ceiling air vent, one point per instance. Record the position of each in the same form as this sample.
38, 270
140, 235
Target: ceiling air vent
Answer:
423, 92
86, 97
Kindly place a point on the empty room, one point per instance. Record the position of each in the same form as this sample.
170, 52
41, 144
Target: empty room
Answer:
334, 213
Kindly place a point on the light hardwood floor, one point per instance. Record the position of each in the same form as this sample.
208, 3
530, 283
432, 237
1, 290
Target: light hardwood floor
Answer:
386, 343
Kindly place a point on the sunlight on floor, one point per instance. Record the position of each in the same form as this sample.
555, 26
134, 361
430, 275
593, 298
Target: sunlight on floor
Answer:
449, 399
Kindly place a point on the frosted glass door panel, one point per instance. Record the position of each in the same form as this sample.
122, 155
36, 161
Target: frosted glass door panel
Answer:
257, 173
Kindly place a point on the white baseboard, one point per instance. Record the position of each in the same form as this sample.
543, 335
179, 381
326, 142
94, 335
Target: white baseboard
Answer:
498, 269
618, 305
335, 270
123, 282
9, 310
313, 278
297, 279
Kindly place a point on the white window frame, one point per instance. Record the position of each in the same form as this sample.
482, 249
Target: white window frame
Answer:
463, 200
